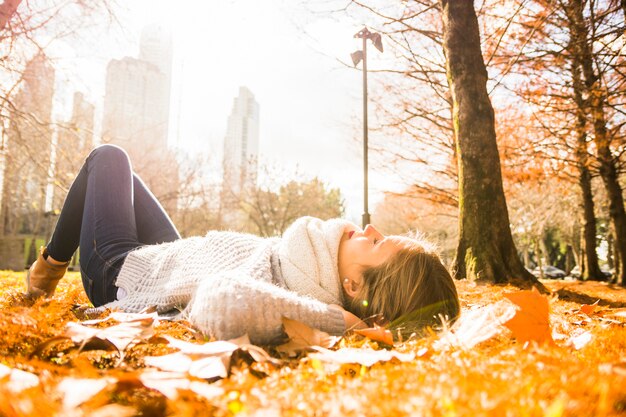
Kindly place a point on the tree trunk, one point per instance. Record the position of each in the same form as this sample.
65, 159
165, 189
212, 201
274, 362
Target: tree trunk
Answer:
486, 250
609, 247
618, 262
597, 100
526, 258
570, 260
539, 253
591, 268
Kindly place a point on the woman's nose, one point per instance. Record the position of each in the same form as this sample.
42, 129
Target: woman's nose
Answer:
371, 231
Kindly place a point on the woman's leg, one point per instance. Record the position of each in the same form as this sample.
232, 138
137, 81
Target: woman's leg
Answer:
100, 214
153, 224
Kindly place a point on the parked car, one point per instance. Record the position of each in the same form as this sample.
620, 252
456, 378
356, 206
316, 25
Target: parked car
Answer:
575, 272
549, 271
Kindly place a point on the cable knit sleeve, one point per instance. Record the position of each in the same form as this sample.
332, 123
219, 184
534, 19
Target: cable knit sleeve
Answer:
227, 307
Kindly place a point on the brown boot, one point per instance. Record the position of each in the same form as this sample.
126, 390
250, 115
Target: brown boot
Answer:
42, 277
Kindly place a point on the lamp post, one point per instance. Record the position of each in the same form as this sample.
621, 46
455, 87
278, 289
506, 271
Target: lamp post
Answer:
357, 57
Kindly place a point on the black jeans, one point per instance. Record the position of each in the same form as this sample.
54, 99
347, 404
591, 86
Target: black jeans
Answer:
108, 211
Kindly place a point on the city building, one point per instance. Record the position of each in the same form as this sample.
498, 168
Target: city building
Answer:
137, 110
27, 150
241, 149
74, 142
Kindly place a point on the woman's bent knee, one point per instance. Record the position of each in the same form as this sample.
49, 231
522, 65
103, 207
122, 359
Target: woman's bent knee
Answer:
108, 152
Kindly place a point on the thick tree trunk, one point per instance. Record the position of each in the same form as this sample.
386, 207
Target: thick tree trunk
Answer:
589, 269
609, 253
592, 268
597, 101
618, 263
486, 250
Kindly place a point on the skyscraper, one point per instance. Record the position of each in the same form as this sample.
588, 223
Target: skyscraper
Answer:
74, 142
136, 112
241, 149
136, 109
28, 150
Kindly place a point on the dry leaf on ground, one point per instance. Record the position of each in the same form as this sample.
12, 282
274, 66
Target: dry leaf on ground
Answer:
532, 320
588, 309
616, 312
16, 380
206, 368
362, 356
302, 337
377, 333
218, 347
207, 360
76, 391
579, 339
169, 383
477, 325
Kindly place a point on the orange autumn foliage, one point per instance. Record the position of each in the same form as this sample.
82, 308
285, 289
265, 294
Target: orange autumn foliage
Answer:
532, 320
498, 376
377, 333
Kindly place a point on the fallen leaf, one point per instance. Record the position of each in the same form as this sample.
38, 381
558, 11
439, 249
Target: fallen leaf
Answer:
206, 368
218, 347
532, 320
207, 360
257, 353
76, 391
616, 312
169, 383
579, 340
589, 308
122, 317
361, 356
477, 325
377, 333
302, 337
16, 379
174, 362
120, 335
210, 368
113, 410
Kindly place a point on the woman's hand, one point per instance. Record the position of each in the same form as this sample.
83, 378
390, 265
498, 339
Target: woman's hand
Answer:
352, 321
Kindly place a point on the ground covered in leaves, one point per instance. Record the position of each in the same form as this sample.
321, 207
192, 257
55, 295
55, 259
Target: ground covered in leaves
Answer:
496, 361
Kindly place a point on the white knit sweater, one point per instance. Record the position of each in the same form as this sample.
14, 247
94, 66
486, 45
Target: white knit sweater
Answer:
228, 284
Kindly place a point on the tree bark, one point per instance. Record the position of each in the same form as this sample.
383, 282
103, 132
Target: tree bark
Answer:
597, 100
589, 269
486, 250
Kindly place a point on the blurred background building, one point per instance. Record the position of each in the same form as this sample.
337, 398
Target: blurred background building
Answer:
28, 151
241, 151
137, 110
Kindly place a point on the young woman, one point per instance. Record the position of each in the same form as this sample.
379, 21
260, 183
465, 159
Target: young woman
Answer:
327, 274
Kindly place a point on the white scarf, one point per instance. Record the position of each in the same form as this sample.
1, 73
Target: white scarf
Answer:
308, 254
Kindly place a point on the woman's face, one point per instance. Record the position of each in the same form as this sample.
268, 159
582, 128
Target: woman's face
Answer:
362, 249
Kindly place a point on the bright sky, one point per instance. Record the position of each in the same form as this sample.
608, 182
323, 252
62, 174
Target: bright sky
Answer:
310, 104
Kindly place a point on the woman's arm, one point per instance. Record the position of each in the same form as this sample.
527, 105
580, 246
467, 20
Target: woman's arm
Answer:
228, 306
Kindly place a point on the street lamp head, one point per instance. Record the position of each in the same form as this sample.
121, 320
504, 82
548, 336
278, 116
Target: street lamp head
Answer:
373, 36
377, 41
357, 56
363, 33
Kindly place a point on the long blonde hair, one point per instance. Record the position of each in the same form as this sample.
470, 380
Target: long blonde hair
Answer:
411, 291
